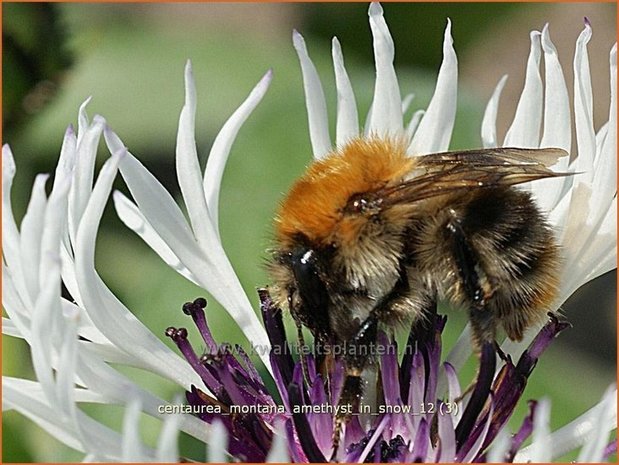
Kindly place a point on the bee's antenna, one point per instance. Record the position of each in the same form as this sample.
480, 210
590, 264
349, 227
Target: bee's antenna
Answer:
302, 354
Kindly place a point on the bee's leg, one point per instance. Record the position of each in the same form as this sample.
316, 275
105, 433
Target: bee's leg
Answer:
349, 402
358, 352
475, 285
356, 358
482, 321
302, 348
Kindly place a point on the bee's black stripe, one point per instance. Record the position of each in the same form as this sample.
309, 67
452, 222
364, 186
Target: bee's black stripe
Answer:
467, 263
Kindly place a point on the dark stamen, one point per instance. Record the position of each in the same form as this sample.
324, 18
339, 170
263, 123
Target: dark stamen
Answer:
196, 310
280, 352
480, 394
304, 432
528, 360
179, 336
523, 433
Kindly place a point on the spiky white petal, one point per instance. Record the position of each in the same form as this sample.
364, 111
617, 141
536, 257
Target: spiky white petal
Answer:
524, 131
347, 117
434, 131
218, 156
188, 169
488, 124
314, 99
386, 116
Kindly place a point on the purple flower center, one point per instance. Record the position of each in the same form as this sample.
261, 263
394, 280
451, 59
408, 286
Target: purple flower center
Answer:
410, 420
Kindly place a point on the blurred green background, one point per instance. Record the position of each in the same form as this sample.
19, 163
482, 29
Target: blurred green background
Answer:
130, 58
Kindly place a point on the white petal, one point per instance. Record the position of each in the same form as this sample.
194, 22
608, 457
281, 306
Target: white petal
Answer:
30, 238
488, 124
108, 352
549, 192
314, 100
87, 144
65, 374
499, 447
541, 448
583, 109
114, 386
131, 442
605, 169
217, 451
580, 431
34, 388
213, 272
33, 406
347, 116
82, 119
435, 129
188, 169
68, 154
167, 445
10, 234
47, 305
8, 326
55, 224
609, 147
279, 448
603, 255
524, 131
16, 309
68, 272
557, 123
158, 207
406, 102
447, 433
387, 104
412, 126
64, 172
606, 421
221, 147
119, 325
580, 238
575, 233
133, 218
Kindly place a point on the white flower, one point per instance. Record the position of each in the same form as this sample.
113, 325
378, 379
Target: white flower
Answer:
193, 249
72, 341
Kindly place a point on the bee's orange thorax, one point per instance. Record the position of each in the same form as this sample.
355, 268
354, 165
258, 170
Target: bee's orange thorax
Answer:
314, 205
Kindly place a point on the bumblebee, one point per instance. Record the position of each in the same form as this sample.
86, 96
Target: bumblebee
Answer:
370, 236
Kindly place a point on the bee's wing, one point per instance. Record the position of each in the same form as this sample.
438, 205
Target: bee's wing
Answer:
448, 172
501, 156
